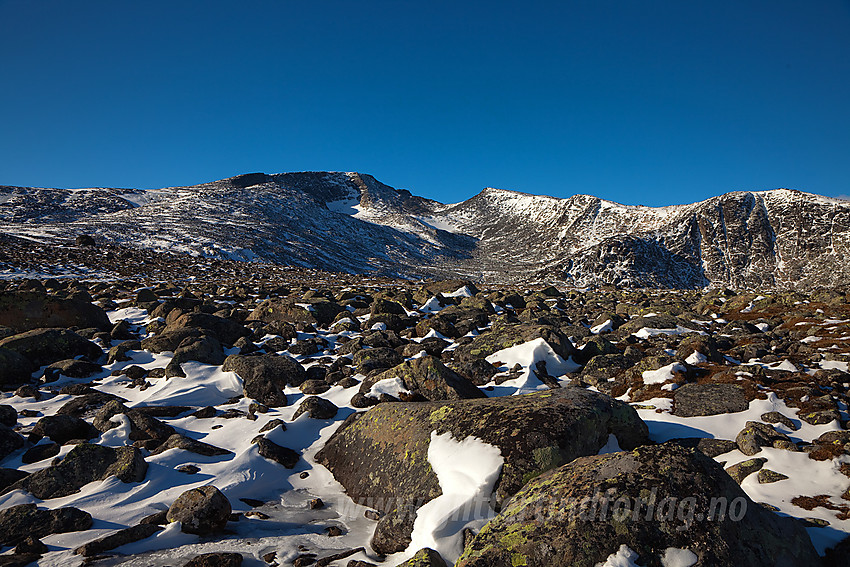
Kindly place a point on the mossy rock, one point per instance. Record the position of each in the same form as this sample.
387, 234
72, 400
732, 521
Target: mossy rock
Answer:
584, 511
380, 456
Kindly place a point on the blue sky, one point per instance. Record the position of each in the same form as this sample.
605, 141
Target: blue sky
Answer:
644, 102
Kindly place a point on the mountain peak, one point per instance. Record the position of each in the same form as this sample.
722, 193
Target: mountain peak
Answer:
349, 221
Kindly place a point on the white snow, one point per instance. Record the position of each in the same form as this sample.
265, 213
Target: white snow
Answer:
624, 557
608, 325
527, 355
675, 557
647, 332
462, 292
834, 365
392, 386
663, 374
612, 446
696, 357
133, 315
431, 306
467, 471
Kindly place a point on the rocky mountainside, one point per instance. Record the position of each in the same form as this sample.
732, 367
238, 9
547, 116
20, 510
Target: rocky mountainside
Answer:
352, 222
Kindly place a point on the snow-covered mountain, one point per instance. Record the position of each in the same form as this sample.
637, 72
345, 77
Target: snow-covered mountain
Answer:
352, 222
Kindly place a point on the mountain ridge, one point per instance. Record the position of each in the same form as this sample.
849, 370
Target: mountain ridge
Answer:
352, 222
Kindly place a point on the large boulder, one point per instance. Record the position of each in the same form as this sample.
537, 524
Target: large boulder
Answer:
169, 341
10, 441
117, 539
507, 335
200, 511
428, 377
534, 432
62, 428
205, 349
85, 463
708, 399
19, 522
45, 346
650, 499
15, 369
87, 403
142, 425
25, 311
72, 368
225, 330
377, 358
265, 376
281, 310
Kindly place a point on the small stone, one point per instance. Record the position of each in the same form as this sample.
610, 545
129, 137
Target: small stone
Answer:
31, 545
766, 476
744, 469
204, 413
188, 469
216, 560
273, 424
316, 504
333, 531
282, 455
304, 560
28, 391
776, 417
317, 408
159, 519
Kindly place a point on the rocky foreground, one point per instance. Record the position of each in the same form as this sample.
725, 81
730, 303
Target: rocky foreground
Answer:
296, 417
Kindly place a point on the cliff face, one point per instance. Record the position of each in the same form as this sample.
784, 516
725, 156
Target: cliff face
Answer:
352, 222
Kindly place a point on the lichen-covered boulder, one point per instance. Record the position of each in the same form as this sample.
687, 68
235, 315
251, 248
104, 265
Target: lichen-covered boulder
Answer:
709, 399
426, 557
429, 377
85, 463
380, 456
200, 511
28, 310
649, 499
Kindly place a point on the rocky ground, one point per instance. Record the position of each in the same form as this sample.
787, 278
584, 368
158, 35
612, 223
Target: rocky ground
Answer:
220, 413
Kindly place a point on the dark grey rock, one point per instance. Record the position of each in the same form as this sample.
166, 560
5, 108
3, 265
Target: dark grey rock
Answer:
200, 511
692, 400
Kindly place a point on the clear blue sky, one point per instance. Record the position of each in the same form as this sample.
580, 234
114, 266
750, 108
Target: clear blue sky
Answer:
636, 101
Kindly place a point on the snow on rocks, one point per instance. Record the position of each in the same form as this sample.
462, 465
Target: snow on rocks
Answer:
216, 426
467, 471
